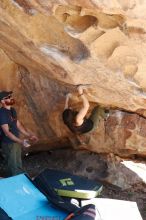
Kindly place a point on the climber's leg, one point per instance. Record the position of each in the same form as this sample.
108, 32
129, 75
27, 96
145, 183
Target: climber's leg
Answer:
96, 115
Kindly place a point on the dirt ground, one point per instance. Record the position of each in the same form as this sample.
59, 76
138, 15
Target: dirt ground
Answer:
35, 163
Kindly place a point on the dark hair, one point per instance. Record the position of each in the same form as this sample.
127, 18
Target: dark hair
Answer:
69, 116
69, 119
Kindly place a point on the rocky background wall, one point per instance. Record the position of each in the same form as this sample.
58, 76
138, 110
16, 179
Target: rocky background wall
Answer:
49, 46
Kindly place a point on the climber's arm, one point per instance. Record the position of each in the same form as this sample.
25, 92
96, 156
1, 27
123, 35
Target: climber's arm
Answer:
68, 96
83, 111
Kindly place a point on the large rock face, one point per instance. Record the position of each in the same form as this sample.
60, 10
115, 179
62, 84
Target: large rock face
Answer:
47, 47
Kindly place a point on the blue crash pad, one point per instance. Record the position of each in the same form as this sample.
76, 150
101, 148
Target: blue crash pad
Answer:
20, 199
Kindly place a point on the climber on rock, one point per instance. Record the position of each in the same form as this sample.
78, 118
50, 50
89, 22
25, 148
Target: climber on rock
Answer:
77, 121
